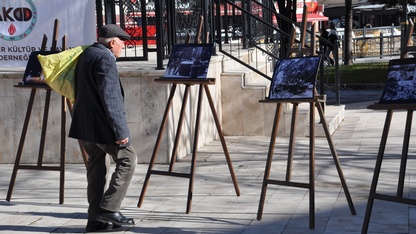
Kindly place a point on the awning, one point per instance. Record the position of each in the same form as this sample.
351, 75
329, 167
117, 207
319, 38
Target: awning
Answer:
371, 7
312, 17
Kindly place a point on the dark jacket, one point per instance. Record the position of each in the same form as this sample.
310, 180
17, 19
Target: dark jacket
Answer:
333, 37
323, 44
99, 115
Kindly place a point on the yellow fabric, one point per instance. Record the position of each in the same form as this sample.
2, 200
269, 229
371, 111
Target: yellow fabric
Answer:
59, 70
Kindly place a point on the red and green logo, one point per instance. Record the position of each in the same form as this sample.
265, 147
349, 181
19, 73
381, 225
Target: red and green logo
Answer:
17, 21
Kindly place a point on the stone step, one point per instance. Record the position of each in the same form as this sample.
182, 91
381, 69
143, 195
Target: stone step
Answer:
334, 115
242, 113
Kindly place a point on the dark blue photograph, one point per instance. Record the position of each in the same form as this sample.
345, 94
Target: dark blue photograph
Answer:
189, 61
294, 78
400, 86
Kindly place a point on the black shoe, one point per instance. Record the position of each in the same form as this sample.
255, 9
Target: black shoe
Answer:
94, 226
115, 217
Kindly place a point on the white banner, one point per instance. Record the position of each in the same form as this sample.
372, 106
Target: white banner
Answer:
23, 23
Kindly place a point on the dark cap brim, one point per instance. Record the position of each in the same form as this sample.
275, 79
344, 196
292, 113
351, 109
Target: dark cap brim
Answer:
112, 30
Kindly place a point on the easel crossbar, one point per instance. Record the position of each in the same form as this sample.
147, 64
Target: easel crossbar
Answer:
397, 199
171, 173
289, 183
30, 167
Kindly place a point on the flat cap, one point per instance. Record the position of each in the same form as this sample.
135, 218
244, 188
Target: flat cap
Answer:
112, 30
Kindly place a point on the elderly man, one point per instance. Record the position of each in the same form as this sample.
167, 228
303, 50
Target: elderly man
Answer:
99, 122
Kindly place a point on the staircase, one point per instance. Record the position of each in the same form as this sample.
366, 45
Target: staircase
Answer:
247, 68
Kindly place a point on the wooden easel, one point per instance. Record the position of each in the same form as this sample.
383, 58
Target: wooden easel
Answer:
302, 50
402, 172
315, 102
203, 85
39, 165
407, 38
405, 149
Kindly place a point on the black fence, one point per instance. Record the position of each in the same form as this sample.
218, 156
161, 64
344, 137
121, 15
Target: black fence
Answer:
156, 25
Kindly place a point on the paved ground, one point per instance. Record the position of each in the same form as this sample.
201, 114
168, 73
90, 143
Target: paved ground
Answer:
34, 207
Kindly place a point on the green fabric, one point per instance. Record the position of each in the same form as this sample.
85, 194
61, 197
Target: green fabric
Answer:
59, 70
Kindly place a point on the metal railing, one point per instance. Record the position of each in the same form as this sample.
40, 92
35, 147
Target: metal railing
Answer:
374, 42
241, 29
250, 27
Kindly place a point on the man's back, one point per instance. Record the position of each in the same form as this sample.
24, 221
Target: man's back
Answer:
99, 107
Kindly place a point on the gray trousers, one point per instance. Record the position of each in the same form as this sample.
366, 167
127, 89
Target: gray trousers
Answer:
98, 166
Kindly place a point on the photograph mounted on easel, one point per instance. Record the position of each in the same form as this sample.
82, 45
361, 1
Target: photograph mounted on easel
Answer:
401, 82
294, 78
33, 73
189, 61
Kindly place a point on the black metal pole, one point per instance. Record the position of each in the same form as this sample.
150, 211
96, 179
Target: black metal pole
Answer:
403, 27
159, 34
144, 30
226, 24
210, 22
204, 13
218, 23
99, 10
244, 27
170, 11
110, 12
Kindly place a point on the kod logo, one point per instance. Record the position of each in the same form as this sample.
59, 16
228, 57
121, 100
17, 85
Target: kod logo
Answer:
17, 21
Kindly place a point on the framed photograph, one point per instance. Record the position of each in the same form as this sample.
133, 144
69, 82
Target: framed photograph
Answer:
294, 78
189, 61
33, 73
400, 86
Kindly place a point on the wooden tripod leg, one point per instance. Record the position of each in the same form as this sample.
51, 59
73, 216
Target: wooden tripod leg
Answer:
63, 146
312, 166
194, 150
377, 170
224, 145
405, 151
21, 144
44, 127
179, 129
269, 160
336, 160
291, 142
156, 148
61, 166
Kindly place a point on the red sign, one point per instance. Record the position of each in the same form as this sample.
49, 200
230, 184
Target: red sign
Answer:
312, 7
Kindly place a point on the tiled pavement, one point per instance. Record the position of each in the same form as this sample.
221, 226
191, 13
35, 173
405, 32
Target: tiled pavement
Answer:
35, 208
